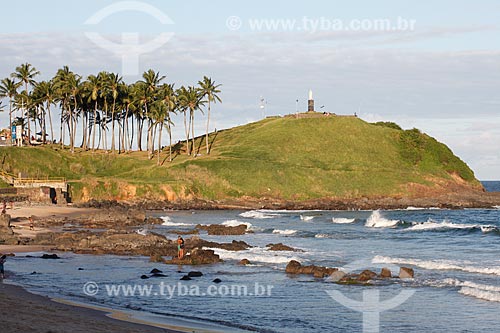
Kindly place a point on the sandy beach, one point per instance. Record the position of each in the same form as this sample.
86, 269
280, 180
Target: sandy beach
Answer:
21, 311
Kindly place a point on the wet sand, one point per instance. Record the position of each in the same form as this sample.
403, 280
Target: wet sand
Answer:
21, 311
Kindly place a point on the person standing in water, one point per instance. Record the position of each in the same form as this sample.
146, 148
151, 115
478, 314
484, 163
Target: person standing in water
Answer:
180, 247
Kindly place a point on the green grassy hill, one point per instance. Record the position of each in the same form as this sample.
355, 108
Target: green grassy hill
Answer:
286, 158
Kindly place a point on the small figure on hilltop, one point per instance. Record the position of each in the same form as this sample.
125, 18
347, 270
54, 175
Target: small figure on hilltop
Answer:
180, 247
2, 261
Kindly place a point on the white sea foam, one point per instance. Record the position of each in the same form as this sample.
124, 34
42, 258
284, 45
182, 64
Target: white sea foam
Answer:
235, 223
257, 254
168, 222
445, 265
284, 232
257, 214
415, 208
306, 218
322, 236
481, 294
376, 220
342, 220
489, 228
469, 284
496, 207
431, 225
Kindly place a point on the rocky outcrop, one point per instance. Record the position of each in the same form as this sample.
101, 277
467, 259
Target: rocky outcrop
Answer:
196, 242
110, 242
295, 267
196, 257
282, 247
223, 230
244, 262
406, 273
7, 235
385, 273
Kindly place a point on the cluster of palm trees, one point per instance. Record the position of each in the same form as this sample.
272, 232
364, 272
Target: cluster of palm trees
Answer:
103, 103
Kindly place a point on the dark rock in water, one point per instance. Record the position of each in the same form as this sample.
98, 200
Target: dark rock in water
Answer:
385, 273
196, 257
158, 275
50, 256
185, 278
155, 270
144, 277
406, 273
80, 269
219, 229
366, 275
195, 274
281, 247
244, 262
294, 267
33, 273
180, 272
217, 281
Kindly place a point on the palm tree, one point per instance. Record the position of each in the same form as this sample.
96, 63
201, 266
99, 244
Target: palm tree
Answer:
168, 100
151, 81
8, 88
209, 89
25, 73
190, 99
23, 102
92, 87
46, 91
114, 81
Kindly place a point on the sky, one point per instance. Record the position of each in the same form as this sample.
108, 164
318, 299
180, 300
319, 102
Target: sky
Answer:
434, 65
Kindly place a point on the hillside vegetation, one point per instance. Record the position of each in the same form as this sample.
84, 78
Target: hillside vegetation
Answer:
285, 158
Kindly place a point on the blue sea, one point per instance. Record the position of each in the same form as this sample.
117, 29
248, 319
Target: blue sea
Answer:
455, 255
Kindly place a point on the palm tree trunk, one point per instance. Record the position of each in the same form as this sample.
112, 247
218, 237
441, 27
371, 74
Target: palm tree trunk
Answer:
93, 126
10, 121
50, 123
159, 142
193, 150
187, 134
208, 122
169, 141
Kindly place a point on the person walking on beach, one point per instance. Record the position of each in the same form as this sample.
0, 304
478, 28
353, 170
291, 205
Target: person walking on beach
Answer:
180, 247
32, 226
2, 261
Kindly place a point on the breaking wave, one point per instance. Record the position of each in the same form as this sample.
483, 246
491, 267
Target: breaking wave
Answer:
445, 265
342, 220
256, 214
447, 225
306, 218
168, 222
235, 223
376, 220
256, 254
285, 232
